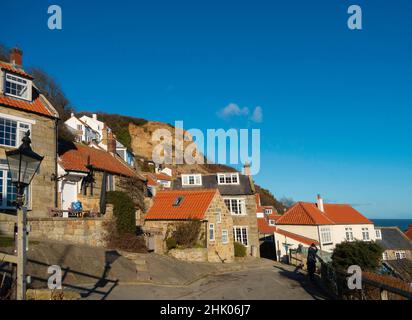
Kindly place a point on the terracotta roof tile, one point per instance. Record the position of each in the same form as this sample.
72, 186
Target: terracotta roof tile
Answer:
76, 156
304, 213
162, 176
388, 280
11, 68
36, 106
409, 232
193, 205
264, 227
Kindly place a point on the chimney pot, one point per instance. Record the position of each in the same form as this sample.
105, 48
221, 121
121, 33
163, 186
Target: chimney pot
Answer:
246, 169
320, 203
16, 57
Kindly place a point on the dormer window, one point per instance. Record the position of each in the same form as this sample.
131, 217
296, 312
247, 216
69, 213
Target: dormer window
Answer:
272, 222
192, 180
17, 87
228, 178
268, 211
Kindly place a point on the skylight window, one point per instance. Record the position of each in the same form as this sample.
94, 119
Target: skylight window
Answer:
178, 201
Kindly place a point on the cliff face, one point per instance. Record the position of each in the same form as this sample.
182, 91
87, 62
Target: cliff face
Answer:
142, 146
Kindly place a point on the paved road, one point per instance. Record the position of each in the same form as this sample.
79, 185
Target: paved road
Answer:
277, 283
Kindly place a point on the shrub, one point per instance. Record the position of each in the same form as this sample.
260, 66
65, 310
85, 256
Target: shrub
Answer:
367, 255
240, 250
187, 233
171, 243
121, 231
123, 210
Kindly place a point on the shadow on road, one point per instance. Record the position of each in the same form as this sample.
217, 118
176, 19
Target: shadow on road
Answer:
96, 289
311, 287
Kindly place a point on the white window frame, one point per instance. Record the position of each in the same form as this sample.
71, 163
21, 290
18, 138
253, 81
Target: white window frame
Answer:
212, 232
241, 240
19, 131
400, 255
5, 169
110, 183
197, 179
268, 211
241, 203
349, 231
385, 256
272, 222
325, 235
218, 215
226, 176
365, 234
27, 83
378, 233
225, 235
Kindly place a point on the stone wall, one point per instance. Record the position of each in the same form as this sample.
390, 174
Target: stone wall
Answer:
85, 231
192, 255
249, 220
43, 136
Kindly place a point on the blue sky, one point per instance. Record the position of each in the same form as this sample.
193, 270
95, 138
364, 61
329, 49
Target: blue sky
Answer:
336, 104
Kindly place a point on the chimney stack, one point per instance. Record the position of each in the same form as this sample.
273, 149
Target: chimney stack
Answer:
246, 169
320, 203
111, 143
94, 115
16, 57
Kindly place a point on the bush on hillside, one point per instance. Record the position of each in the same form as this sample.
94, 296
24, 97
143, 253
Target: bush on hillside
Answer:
240, 250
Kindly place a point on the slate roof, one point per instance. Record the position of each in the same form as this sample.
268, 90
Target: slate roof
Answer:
394, 239
193, 205
209, 181
403, 267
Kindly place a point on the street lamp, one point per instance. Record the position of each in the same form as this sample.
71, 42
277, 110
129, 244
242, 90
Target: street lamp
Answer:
23, 164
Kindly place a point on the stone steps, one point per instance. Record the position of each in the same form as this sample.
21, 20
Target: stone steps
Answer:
142, 272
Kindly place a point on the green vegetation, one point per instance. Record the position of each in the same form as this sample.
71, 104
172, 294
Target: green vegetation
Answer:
123, 211
6, 242
268, 199
367, 255
119, 124
187, 233
171, 243
240, 250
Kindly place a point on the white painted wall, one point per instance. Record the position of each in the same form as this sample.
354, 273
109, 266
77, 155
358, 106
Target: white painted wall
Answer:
302, 230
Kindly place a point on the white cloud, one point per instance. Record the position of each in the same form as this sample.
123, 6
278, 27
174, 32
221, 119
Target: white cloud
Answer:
257, 115
232, 109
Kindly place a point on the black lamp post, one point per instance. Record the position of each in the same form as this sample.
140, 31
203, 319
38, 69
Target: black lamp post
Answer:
23, 164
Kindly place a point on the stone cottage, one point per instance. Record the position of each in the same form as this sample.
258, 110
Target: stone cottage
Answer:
238, 192
22, 108
173, 207
85, 171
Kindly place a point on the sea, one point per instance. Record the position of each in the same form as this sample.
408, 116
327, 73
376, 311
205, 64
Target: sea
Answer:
400, 223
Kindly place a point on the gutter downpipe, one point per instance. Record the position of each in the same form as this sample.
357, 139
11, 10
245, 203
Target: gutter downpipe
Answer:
320, 240
56, 183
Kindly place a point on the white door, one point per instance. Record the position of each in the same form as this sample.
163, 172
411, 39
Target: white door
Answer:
69, 194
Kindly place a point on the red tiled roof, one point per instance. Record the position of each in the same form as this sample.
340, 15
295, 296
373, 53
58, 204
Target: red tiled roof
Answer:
409, 232
77, 156
304, 213
274, 216
264, 227
162, 176
11, 68
150, 181
296, 237
36, 106
387, 280
193, 206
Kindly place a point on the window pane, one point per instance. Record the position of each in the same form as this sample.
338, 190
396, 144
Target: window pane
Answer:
8, 132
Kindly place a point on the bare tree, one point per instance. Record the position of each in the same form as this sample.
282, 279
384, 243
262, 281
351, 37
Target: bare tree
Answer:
4, 53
